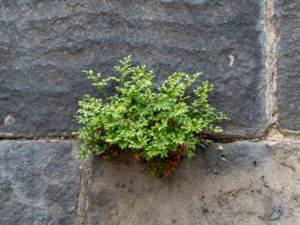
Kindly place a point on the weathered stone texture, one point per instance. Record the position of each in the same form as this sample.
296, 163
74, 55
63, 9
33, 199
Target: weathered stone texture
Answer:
288, 66
259, 184
39, 183
45, 44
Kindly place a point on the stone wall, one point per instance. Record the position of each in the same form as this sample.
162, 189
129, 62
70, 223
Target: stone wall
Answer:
247, 48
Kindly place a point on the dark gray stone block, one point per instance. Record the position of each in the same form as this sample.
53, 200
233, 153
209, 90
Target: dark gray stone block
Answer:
256, 185
288, 67
44, 46
39, 183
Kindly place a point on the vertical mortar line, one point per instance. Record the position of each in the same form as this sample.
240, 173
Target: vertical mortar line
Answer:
83, 196
82, 208
271, 40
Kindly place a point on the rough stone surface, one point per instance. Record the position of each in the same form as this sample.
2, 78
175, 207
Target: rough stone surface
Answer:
39, 183
45, 44
288, 67
259, 184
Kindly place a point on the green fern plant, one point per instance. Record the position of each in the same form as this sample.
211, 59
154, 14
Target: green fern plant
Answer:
155, 123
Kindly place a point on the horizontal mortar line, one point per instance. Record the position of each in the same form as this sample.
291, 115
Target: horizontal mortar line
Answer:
214, 139
285, 137
37, 138
289, 132
274, 132
221, 138
228, 139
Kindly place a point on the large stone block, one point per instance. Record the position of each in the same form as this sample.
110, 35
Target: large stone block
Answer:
288, 67
39, 183
257, 185
45, 44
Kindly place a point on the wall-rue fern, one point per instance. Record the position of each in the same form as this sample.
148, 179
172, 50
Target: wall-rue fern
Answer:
158, 124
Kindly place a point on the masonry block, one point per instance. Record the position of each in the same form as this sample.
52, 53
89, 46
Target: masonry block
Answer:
258, 184
45, 44
39, 183
288, 67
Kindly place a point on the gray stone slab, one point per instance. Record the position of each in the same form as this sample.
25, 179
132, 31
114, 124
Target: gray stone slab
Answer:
257, 185
44, 45
288, 67
39, 183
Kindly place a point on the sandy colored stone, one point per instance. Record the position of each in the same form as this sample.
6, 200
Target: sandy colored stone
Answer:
258, 184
